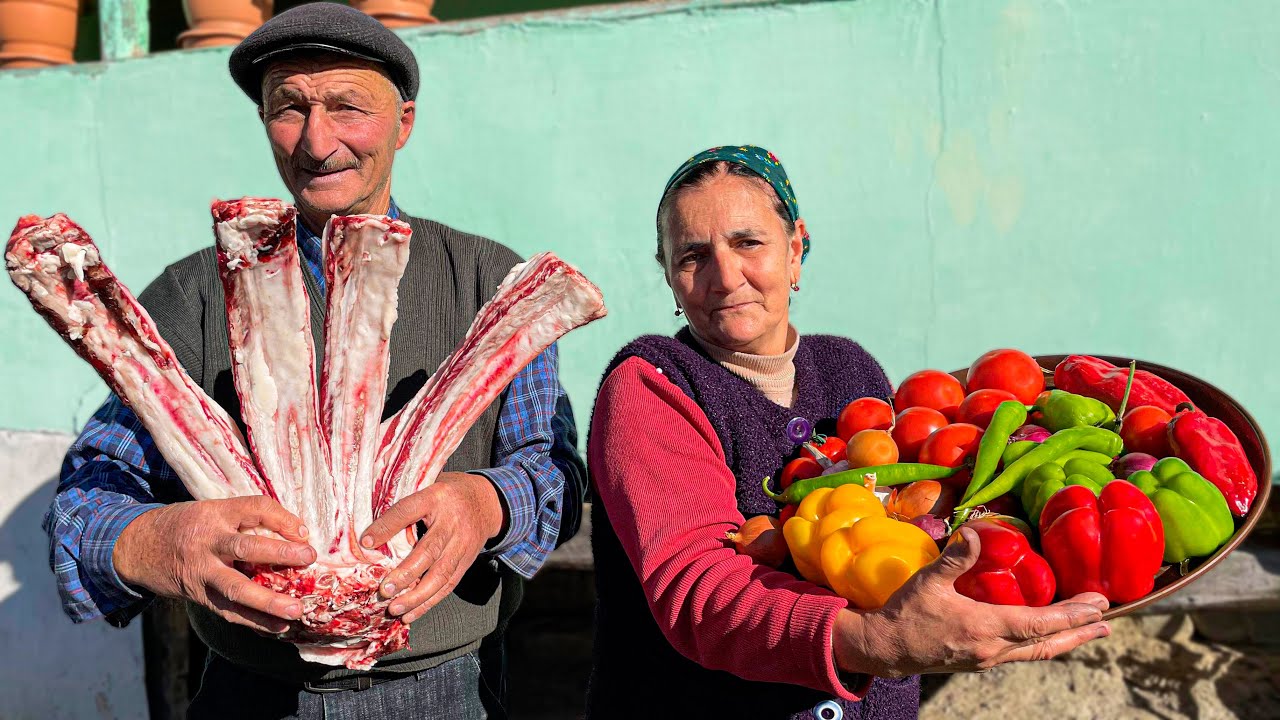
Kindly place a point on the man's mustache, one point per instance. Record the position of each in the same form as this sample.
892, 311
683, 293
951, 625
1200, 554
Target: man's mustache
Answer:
329, 165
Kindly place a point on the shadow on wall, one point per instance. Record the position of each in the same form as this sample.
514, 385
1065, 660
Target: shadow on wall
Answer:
51, 667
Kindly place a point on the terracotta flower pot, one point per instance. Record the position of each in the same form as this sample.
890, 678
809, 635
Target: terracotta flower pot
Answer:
214, 23
37, 33
397, 13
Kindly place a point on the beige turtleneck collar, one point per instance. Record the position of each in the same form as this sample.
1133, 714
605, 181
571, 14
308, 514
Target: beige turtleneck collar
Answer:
772, 375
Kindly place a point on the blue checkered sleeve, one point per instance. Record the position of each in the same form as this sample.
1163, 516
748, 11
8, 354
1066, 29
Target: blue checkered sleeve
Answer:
112, 473
538, 471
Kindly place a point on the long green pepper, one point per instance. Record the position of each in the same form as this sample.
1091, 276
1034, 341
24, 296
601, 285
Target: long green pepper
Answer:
886, 475
1077, 438
1009, 416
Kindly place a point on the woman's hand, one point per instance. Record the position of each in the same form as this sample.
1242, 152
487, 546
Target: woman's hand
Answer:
928, 627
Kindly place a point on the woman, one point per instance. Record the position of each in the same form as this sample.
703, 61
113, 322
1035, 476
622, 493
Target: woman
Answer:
683, 431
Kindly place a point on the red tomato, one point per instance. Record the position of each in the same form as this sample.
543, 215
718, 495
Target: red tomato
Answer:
802, 468
866, 413
912, 428
1144, 430
978, 408
1010, 370
932, 389
832, 448
951, 445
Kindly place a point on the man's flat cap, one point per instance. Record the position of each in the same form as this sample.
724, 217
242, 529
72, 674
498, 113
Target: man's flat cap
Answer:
322, 27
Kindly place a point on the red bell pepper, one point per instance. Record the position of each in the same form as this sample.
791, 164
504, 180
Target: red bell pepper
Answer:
1212, 450
1110, 544
1096, 378
1008, 571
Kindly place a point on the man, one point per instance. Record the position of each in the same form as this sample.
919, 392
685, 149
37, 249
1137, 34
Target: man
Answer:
335, 91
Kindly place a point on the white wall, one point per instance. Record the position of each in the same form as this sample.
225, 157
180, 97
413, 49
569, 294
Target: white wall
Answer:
51, 668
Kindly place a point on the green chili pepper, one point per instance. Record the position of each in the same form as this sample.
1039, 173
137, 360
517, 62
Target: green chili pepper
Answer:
1195, 515
1017, 450
886, 475
1094, 471
1066, 410
1077, 438
1009, 416
1089, 455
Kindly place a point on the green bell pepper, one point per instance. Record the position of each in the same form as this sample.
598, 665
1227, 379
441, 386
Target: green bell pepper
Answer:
1064, 410
1046, 480
1196, 518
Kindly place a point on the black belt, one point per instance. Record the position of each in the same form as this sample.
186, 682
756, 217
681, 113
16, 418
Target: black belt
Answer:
354, 682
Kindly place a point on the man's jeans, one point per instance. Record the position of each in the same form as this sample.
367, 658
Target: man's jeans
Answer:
455, 690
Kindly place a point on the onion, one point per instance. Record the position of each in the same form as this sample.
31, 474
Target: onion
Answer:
1126, 465
923, 497
1034, 433
936, 527
837, 467
760, 538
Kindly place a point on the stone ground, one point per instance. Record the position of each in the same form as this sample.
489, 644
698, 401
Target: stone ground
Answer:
1153, 667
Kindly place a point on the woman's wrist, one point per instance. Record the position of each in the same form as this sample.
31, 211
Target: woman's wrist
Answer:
852, 644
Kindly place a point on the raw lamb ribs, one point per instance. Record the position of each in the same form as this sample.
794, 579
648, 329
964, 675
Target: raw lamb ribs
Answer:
323, 451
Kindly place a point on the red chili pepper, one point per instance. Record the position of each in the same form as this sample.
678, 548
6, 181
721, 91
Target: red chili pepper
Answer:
1110, 544
1008, 571
1092, 377
1212, 450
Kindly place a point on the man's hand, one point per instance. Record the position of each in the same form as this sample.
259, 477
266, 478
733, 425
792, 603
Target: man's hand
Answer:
928, 627
462, 512
188, 550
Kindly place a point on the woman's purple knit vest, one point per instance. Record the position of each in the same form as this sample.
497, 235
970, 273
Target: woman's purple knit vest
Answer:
636, 672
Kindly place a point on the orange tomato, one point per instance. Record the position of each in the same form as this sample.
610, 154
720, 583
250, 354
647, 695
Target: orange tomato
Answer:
871, 447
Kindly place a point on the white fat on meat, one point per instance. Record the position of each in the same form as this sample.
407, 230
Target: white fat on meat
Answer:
364, 261
537, 303
193, 433
269, 328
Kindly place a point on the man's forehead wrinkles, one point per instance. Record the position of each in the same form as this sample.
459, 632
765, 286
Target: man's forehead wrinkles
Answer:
325, 83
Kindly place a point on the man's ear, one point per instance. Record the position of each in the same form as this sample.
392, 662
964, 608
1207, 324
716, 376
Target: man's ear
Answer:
407, 115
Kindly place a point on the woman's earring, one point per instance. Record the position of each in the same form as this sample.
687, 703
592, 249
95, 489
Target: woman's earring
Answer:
795, 286
679, 311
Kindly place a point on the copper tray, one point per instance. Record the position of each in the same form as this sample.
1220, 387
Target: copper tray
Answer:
1222, 406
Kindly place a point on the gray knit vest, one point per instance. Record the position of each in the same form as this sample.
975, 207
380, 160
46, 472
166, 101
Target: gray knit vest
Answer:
449, 276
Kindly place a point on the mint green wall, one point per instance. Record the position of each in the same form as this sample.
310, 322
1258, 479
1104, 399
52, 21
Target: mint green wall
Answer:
1076, 175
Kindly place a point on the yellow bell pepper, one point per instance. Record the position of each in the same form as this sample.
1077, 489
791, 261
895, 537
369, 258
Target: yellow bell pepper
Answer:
820, 514
869, 561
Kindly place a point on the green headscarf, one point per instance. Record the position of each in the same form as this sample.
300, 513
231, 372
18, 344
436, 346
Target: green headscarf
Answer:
757, 160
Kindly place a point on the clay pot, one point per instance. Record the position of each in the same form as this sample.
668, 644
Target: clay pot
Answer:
215, 23
37, 33
397, 13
